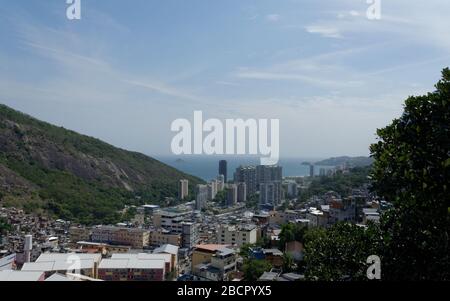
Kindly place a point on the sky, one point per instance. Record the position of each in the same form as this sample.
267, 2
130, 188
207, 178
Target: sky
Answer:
127, 69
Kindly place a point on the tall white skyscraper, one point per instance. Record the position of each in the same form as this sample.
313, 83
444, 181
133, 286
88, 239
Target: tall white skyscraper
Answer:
212, 190
183, 189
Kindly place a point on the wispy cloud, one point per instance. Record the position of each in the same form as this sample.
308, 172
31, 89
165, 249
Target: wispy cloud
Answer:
74, 59
273, 17
227, 83
163, 89
259, 75
322, 70
324, 30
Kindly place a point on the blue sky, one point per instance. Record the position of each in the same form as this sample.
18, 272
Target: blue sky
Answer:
127, 69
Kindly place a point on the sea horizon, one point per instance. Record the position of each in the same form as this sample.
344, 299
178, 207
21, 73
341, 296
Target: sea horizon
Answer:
207, 167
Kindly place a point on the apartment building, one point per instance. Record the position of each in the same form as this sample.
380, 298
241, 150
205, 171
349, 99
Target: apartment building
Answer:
162, 236
189, 235
317, 218
172, 250
223, 262
342, 210
213, 262
241, 192
132, 268
170, 220
175, 222
247, 175
232, 195
237, 235
135, 237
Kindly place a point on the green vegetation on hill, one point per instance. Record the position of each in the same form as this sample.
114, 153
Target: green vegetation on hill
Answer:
350, 161
76, 177
341, 183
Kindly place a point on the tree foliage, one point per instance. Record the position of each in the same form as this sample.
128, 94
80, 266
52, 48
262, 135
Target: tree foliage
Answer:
340, 252
254, 268
291, 232
288, 263
412, 170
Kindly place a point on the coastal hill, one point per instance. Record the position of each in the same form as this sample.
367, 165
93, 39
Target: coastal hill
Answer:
51, 169
345, 160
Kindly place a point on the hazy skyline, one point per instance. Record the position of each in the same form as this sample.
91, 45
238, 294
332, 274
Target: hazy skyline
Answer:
126, 70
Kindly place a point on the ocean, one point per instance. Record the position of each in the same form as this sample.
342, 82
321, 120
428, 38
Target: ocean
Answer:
207, 167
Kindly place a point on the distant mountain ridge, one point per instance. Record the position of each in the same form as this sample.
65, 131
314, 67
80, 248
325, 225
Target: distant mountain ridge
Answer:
44, 167
346, 160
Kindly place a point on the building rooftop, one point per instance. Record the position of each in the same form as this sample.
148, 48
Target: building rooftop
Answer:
225, 252
292, 276
73, 265
67, 257
142, 256
58, 278
114, 264
115, 228
10, 275
59, 265
210, 247
170, 249
274, 252
146, 264
325, 207
132, 263
38, 266
268, 276
151, 206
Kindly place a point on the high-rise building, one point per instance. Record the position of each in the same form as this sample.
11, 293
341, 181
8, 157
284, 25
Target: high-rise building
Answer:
311, 170
201, 196
212, 190
220, 182
269, 183
322, 172
292, 189
189, 235
270, 193
265, 173
223, 169
183, 189
247, 175
231, 195
241, 192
